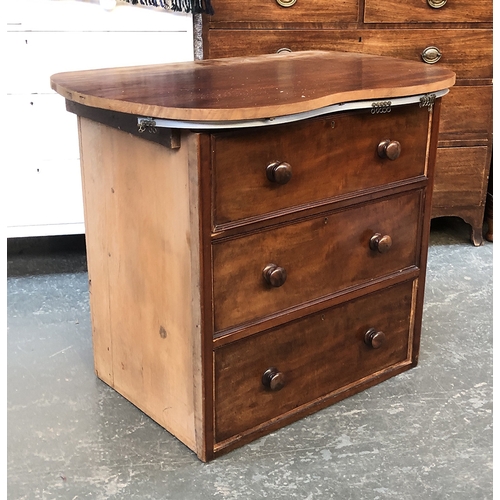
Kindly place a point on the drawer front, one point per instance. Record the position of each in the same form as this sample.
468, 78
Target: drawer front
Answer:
323, 156
234, 42
316, 355
428, 11
467, 52
461, 176
467, 114
285, 11
320, 257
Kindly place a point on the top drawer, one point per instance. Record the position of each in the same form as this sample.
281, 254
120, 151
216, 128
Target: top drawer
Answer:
428, 11
327, 157
285, 11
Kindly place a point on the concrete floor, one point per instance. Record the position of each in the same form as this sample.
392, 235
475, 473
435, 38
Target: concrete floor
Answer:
425, 434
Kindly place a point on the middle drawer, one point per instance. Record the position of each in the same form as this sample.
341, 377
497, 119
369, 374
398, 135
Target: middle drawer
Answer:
319, 160
263, 273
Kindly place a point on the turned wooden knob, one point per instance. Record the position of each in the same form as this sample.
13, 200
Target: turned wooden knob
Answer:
274, 275
374, 338
389, 149
279, 172
273, 379
380, 243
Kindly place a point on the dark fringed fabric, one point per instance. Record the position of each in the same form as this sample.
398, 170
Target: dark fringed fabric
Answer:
194, 6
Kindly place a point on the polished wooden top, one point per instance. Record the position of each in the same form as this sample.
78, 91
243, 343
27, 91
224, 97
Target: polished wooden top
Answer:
250, 87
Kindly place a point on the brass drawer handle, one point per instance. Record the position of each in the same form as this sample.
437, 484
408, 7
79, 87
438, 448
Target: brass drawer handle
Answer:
273, 379
283, 50
379, 243
274, 275
431, 55
279, 172
436, 4
374, 338
286, 3
389, 149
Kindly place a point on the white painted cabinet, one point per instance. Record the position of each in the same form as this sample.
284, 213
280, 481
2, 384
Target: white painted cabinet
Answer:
42, 173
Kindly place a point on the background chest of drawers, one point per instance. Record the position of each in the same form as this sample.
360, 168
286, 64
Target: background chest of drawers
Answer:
456, 34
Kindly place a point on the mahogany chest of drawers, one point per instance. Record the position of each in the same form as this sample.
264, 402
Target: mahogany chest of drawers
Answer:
256, 232
456, 34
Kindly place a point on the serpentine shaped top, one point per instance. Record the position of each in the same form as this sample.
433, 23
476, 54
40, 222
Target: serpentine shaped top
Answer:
246, 88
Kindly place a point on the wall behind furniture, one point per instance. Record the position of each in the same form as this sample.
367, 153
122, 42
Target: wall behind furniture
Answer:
42, 169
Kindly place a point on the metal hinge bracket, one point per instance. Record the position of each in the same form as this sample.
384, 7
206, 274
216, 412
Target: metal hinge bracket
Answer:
381, 107
427, 100
146, 124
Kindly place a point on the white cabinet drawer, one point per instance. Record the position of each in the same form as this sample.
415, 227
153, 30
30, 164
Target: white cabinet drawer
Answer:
88, 15
33, 57
39, 128
43, 194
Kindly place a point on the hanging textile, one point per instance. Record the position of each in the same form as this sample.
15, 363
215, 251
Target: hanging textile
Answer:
194, 6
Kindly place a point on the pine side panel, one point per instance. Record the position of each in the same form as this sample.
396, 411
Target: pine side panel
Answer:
143, 257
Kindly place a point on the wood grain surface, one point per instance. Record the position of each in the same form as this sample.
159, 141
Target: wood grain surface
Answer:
318, 355
250, 87
418, 11
321, 155
475, 63
144, 283
321, 256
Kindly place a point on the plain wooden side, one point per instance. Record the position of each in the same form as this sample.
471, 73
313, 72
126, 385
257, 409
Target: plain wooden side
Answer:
143, 251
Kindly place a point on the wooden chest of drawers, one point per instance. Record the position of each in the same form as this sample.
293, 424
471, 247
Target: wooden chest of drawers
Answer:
456, 34
264, 256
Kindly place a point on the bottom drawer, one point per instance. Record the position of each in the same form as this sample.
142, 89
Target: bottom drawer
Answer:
316, 355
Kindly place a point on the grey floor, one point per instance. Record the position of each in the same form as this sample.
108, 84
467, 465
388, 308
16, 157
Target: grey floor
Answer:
425, 434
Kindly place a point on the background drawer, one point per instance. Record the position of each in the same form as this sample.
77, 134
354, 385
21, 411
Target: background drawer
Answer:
467, 114
317, 355
461, 176
325, 160
269, 10
320, 256
420, 11
467, 52
233, 42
